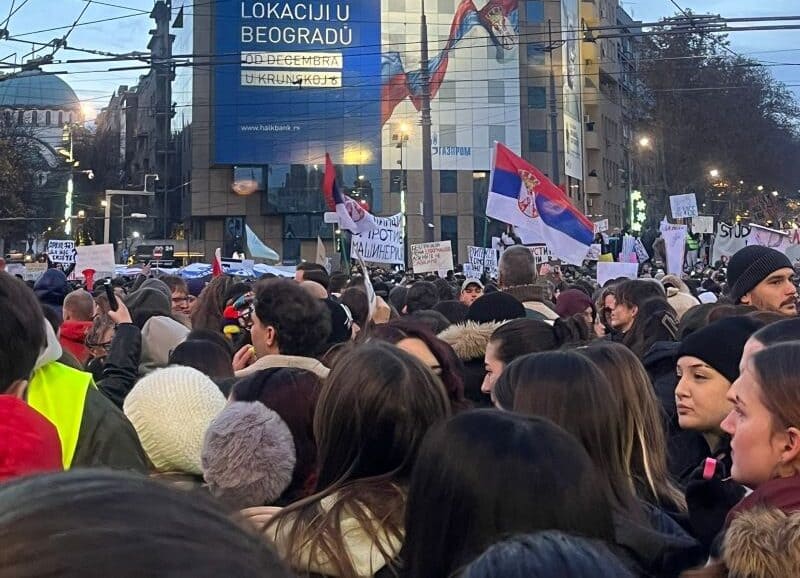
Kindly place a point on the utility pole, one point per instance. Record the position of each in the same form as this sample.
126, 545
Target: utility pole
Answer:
161, 51
555, 175
427, 161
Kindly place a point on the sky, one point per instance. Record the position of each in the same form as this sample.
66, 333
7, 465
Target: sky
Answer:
129, 28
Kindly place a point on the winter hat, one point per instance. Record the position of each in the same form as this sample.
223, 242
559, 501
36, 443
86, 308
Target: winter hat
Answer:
158, 285
750, 266
160, 336
720, 344
341, 322
572, 302
29, 443
497, 306
149, 299
248, 455
171, 410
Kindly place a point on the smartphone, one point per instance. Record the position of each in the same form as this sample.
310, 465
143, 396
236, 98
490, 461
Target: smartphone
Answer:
112, 297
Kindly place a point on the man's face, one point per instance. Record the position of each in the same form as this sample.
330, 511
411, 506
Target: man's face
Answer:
298, 276
470, 294
180, 302
775, 293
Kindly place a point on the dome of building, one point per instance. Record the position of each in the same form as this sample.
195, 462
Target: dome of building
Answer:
33, 89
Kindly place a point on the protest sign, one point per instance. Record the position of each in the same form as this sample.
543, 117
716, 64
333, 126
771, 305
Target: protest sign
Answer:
483, 259
675, 241
541, 254
771, 238
61, 251
683, 206
601, 226
608, 271
472, 272
703, 225
383, 244
97, 257
33, 271
729, 239
594, 252
432, 257
641, 253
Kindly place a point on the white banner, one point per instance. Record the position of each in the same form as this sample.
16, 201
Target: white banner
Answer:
606, 271
431, 257
683, 206
97, 257
675, 240
771, 238
729, 239
703, 225
572, 89
383, 244
61, 251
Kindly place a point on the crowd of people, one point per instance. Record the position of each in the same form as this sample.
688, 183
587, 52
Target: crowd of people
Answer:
397, 425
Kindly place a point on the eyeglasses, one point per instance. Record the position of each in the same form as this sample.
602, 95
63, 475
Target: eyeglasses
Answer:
92, 345
179, 300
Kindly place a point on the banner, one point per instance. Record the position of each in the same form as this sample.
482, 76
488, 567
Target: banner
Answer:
607, 271
61, 251
703, 225
541, 254
383, 244
683, 206
432, 257
97, 257
572, 88
771, 238
729, 239
32, 271
675, 240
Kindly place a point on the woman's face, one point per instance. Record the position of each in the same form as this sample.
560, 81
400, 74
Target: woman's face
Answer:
419, 349
757, 449
623, 316
493, 366
701, 396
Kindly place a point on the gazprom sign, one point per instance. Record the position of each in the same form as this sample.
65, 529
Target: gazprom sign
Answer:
296, 79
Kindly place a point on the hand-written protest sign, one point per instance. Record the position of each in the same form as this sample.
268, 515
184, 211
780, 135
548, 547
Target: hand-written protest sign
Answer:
703, 225
608, 271
675, 242
729, 239
431, 257
683, 206
383, 244
601, 226
33, 271
97, 257
541, 254
61, 251
482, 259
594, 252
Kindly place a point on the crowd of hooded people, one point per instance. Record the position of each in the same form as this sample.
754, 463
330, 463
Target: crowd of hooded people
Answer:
534, 426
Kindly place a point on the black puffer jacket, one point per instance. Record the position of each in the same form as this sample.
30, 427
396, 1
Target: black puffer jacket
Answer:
121, 367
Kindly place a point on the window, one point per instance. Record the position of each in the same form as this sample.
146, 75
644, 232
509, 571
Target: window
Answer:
447, 92
447, 135
497, 92
20, 118
450, 233
534, 10
48, 118
497, 133
248, 180
535, 51
537, 97
446, 7
448, 181
60, 119
35, 118
537, 141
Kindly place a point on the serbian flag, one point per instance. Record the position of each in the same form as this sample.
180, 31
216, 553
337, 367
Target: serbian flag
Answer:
352, 216
520, 195
216, 264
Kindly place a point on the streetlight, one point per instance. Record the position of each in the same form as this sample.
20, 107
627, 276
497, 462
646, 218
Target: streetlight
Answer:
760, 188
714, 173
774, 193
644, 142
136, 235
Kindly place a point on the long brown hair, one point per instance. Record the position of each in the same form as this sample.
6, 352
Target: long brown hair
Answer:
372, 414
210, 304
644, 440
777, 371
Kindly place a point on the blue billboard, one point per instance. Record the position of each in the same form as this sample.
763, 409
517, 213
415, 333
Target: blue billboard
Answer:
296, 79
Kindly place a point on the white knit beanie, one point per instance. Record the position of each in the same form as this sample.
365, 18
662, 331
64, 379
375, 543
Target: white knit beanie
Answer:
171, 410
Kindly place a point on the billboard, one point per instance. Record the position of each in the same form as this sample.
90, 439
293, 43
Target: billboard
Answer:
295, 79
572, 88
475, 95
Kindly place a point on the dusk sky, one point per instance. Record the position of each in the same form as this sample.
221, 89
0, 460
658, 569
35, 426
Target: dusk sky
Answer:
129, 31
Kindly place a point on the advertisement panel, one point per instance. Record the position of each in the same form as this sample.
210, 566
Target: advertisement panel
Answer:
475, 96
572, 89
295, 79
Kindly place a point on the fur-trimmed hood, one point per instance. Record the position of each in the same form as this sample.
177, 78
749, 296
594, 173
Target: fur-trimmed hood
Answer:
763, 542
469, 339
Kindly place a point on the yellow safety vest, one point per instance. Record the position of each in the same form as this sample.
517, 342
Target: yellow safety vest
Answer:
58, 392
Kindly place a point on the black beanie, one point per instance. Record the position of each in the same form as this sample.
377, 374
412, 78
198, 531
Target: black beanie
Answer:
750, 266
497, 306
720, 344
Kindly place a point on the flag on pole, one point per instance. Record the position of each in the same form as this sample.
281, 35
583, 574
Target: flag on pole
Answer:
352, 216
520, 195
216, 263
322, 254
257, 248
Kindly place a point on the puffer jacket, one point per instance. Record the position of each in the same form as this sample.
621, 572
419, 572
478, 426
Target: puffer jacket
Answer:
51, 289
469, 341
763, 543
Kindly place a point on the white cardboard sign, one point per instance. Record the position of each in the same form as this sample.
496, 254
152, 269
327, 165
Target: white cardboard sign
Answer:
607, 271
683, 206
432, 257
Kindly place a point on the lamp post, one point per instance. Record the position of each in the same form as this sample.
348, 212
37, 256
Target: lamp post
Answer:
113, 193
425, 110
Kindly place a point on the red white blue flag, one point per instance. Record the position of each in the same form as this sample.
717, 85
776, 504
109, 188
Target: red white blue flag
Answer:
352, 216
520, 195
